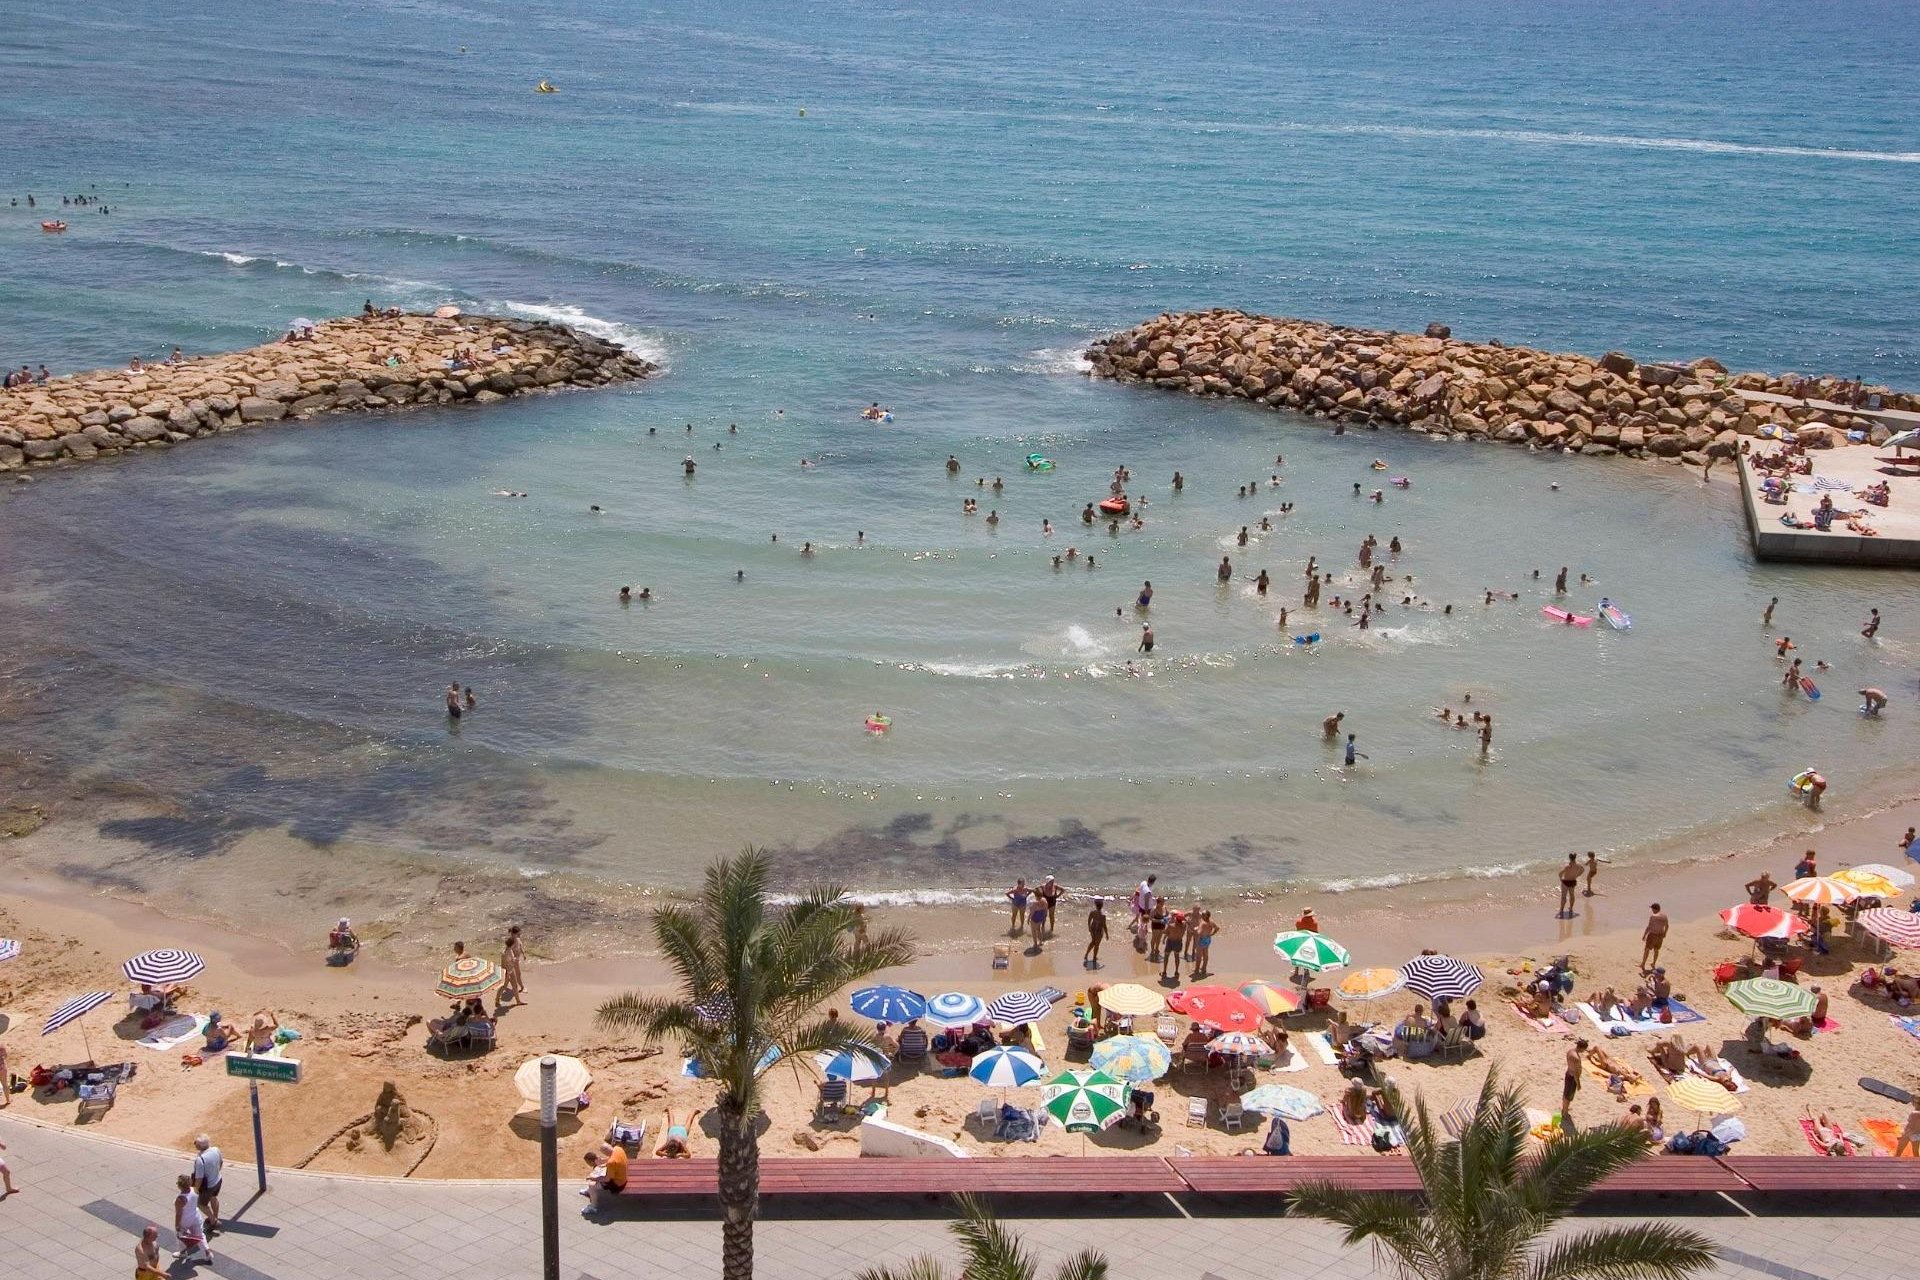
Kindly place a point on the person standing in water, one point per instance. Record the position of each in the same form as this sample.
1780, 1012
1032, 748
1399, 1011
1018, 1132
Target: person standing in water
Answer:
1145, 597
1352, 753
1330, 727
453, 701
1593, 871
1873, 626
1560, 582
1146, 637
1766, 618
1179, 482
1225, 572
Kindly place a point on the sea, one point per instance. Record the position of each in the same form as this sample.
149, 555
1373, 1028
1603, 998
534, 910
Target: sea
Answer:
801, 209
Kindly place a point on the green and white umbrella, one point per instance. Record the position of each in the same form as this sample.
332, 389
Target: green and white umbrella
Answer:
1770, 998
1314, 952
1084, 1101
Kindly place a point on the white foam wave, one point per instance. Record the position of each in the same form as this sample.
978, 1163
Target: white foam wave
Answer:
647, 346
232, 259
1055, 360
1498, 871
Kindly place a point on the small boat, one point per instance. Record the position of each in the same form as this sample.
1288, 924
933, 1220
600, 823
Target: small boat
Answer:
1039, 462
1114, 506
53, 226
1616, 617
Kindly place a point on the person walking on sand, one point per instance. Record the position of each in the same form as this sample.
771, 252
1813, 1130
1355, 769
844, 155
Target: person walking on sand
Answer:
208, 1168
1571, 1084
1017, 897
1760, 888
1766, 618
1909, 1143
512, 956
1569, 882
1653, 937
190, 1224
1096, 934
1593, 871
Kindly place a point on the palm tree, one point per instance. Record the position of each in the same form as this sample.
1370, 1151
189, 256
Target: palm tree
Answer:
752, 978
993, 1253
1489, 1200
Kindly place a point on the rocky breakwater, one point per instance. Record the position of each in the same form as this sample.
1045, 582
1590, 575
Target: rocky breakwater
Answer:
357, 363
1433, 384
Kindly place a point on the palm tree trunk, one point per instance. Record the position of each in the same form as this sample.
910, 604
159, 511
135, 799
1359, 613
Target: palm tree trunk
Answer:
739, 1190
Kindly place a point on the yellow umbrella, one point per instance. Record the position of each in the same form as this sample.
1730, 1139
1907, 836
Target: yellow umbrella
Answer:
1704, 1096
1273, 1001
1825, 891
1131, 1000
1371, 984
1866, 883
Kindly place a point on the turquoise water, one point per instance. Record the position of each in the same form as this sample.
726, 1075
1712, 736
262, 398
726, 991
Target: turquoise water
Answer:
258, 627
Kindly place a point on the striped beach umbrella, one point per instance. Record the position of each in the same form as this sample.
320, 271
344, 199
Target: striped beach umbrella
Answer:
1238, 1044
888, 1004
1697, 1094
74, 1008
1005, 1068
160, 968
1314, 952
9, 949
1274, 1000
1823, 891
1131, 1000
1135, 1059
469, 976
955, 1009
852, 1064
1221, 1007
1442, 977
1017, 1007
1085, 1101
1901, 928
1763, 922
1770, 998
1282, 1100
1371, 984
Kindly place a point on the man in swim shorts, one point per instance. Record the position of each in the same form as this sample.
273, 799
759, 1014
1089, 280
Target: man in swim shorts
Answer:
1146, 637
1569, 882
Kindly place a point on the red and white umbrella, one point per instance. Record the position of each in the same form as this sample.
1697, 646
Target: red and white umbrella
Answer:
1764, 922
1901, 928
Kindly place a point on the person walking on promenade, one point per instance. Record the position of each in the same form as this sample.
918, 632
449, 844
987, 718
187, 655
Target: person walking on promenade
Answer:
207, 1171
189, 1224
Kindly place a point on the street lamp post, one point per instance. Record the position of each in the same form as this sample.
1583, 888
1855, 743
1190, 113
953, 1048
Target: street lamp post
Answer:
549, 1169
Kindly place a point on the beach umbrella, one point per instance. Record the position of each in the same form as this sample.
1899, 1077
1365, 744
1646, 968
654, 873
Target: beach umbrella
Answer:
1770, 998
1085, 1101
1221, 1007
1005, 1068
1902, 440
1371, 984
1135, 1059
1763, 922
1824, 891
571, 1078
1870, 882
1442, 977
715, 1009
1314, 952
9, 949
1238, 1044
1282, 1100
469, 976
1273, 1000
852, 1064
73, 1009
163, 967
888, 1004
1017, 1007
1695, 1093
1897, 876
1901, 928
955, 1009
1131, 1000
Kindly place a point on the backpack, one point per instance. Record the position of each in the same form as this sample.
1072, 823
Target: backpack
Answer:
1382, 1140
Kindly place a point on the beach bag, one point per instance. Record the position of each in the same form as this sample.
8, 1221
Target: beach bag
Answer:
1666, 1013
1382, 1140
1681, 1144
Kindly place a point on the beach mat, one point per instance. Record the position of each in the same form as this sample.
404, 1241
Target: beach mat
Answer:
1909, 1025
1885, 1090
1681, 1014
1546, 1027
1323, 1046
1886, 1136
1352, 1135
1296, 1061
173, 1033
1813, 1139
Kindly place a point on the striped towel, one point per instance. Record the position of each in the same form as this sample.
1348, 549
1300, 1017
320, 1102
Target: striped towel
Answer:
1353, 1135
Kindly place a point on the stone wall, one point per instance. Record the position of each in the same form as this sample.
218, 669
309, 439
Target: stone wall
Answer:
1480, 390
343, 367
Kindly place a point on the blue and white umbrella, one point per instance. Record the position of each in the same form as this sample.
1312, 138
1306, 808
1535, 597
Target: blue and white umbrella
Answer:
9, 949
955, 1009
888, 1004
1005, 1068
852, 1064
1442, 977
1017, 1007
74, 1008
159, 968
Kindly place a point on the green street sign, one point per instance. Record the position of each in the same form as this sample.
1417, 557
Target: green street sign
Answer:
279, 1070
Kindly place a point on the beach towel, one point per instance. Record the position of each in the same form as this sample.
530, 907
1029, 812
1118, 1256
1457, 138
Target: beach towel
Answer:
1396, 1136
1353, 1135
173, 1033
1295, 1061
1739, 1081
1819, 1147
1831, 1025
1886, 1136
1681, 1013
1909, 1025
1546, 1026
1323, 1046
1635, 1088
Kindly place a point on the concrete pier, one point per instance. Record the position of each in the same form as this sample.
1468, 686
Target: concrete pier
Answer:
1896, 542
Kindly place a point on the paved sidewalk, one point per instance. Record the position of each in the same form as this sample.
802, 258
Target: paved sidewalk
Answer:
83, 1201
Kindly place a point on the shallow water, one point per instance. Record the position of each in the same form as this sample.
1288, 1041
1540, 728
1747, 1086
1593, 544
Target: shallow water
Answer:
258, 627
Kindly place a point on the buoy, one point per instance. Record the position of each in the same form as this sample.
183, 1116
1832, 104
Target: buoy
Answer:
545, 86
803, 113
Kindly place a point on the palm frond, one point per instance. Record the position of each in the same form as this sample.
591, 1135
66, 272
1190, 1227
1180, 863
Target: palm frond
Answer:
922, 1268
1573, 1164
1394, 1225
1640, 1251
1086, 1265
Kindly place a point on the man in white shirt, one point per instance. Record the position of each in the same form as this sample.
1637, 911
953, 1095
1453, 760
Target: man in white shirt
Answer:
207, 1170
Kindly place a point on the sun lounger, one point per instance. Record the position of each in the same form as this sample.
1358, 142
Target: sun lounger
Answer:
631, 1136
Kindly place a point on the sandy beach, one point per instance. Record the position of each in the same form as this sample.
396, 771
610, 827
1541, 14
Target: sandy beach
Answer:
361, 1026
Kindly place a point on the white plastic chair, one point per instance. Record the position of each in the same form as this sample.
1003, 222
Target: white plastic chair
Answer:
1196, 1113
1232, 1117
988, 1112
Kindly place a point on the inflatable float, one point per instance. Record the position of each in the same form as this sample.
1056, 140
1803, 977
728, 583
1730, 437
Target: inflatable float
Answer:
1039, 462
1562, 616
1808, 687
1807, 784
1312, 637
877, 723
545, 86
1400, 482
1114, 506
53, 226
1616, 617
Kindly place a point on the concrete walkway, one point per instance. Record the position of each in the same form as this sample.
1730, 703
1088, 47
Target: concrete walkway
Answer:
84, 1200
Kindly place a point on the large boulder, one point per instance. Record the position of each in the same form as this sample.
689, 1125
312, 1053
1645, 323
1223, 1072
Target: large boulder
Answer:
261, 409
143, 428
1617, 362
1438, 330
1660, 375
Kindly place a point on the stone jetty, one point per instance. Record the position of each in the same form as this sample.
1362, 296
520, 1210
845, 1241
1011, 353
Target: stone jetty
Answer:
353, 364
1436, 385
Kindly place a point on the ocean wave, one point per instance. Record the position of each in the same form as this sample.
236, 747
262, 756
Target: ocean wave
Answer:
1543, 137
1055, 361
647, 345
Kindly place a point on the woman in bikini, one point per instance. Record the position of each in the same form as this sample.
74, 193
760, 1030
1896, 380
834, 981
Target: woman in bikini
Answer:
677, 1140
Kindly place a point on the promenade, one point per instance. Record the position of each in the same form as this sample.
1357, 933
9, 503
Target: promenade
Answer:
83, 1200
